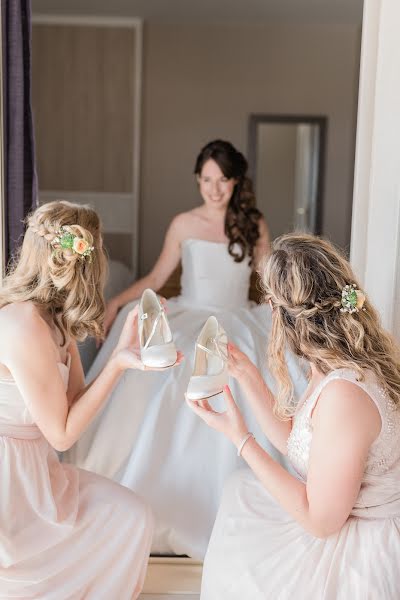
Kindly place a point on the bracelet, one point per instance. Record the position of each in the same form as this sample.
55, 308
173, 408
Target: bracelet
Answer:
244, 440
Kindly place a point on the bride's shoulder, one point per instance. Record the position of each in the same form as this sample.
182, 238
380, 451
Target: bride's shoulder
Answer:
185, 221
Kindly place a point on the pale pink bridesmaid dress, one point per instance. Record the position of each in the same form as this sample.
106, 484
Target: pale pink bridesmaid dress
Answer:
65, 533
259, 552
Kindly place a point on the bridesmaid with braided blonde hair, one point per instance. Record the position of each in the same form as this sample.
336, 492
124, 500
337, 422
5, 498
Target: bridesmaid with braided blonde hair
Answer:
331, 530
65, 533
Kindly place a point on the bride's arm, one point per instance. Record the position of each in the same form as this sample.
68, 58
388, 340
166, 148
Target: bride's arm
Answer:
260, 398
164, 267
263, 245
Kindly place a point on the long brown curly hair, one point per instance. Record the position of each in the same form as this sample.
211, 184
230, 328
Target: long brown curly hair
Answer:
67, 286
304, 278
242, 216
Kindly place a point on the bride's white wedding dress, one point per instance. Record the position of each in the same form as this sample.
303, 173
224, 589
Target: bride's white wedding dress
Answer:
148, 439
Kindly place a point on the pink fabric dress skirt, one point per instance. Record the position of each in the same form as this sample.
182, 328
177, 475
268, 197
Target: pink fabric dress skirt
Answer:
65, 533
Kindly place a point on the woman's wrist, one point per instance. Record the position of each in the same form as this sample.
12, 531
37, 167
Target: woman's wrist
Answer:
249, 375
116, 364
245, 439
237, 436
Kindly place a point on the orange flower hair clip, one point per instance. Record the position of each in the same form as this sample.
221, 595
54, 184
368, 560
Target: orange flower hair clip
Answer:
353, 299
71, 243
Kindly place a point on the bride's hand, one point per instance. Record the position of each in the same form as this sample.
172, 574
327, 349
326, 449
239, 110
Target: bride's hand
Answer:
127, 351
239, 364
230, 422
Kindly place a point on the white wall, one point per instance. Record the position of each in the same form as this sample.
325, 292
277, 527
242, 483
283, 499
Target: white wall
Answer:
376, 217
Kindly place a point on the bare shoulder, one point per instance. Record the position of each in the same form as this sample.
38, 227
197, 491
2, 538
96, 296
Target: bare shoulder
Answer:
347, 403
18, 314
185, 218
20, 322
184, 222
263, 227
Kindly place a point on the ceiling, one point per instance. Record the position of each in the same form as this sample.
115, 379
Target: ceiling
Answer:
213, 11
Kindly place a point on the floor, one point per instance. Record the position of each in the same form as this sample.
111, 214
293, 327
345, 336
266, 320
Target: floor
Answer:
169, 597
172, 579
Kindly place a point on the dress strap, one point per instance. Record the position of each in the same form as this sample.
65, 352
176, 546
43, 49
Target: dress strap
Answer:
368, 386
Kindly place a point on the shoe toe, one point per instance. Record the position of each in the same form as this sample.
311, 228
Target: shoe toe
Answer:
204, 387
159, 356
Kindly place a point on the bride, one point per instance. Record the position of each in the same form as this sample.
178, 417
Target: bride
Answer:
146, 438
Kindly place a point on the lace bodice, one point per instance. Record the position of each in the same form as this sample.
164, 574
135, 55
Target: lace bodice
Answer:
382, 471
384, 452
211, 277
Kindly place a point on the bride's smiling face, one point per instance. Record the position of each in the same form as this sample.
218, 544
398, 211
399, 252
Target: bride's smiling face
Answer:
215, 189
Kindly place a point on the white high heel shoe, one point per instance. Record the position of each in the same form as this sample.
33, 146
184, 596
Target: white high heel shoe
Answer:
157, 348
210, 373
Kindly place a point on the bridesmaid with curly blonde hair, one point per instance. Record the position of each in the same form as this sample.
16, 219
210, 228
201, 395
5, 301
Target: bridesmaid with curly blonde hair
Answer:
332, 530
65, 533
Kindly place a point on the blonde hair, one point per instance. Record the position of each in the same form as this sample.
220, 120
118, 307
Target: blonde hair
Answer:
304, 278
67, 286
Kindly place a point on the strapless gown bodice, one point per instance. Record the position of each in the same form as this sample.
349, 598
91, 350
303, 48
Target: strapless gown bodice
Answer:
211, 277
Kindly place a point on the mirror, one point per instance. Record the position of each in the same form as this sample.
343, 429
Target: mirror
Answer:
122, 108
86, 95
286, 157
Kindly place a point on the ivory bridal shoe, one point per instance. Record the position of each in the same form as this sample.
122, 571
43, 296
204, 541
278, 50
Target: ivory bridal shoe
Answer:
157, 348
210, 372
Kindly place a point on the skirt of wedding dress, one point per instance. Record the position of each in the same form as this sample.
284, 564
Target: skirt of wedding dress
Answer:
148, 439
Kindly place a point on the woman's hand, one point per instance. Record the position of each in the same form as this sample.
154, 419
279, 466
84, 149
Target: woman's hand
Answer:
129, 336
230, 422
127, 351
239, 364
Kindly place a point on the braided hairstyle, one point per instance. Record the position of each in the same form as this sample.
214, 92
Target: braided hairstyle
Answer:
242, 216
304, 278
66, 285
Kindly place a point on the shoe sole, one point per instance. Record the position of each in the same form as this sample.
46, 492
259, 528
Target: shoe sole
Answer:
159, 365
204, 397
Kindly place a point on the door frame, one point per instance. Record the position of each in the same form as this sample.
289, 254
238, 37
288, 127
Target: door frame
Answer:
2, 188
375, 233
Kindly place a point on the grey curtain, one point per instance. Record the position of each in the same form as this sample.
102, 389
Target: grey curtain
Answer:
19, 148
